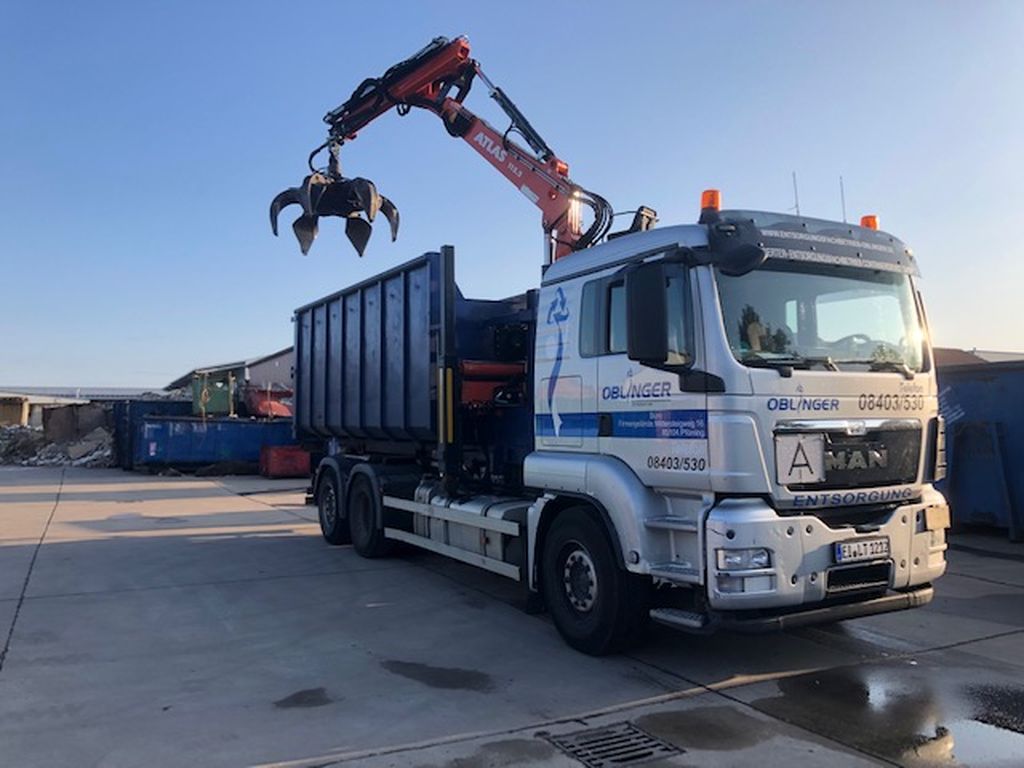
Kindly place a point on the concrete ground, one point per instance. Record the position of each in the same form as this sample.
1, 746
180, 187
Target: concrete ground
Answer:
197, 622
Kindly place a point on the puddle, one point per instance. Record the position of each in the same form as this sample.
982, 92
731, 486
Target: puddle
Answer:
447, 678
309, 697
707, 728
974, 743
915, 715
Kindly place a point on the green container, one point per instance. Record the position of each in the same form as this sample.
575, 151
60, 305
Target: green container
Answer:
213, 394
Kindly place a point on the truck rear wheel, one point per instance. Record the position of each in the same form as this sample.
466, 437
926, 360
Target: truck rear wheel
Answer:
597, 606
363, 515
328, 502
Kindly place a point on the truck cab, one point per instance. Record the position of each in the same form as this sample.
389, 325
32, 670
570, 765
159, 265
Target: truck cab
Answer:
752, 403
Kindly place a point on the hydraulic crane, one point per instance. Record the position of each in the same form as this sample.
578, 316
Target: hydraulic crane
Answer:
438, 78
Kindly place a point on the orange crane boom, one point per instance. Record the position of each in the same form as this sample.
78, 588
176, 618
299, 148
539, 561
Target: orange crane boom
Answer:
427, 80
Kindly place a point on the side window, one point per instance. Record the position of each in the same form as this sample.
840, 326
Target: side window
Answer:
680, 334
591, 340
616, 318
603, 318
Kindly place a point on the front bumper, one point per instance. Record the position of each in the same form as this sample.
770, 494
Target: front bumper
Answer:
803, 571
753, 622
896, 601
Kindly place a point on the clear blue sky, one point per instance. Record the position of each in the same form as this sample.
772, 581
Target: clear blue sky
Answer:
141, 143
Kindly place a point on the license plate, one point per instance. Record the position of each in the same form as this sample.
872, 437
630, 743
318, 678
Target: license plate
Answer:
861, 549
800, 459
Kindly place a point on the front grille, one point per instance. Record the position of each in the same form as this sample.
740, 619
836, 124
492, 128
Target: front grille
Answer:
856, 461
851, 578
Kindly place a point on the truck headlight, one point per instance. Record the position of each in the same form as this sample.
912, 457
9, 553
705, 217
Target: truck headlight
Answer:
743, 559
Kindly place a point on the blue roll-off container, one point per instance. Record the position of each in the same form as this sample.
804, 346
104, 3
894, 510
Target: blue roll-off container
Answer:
128, 414
380, 367
366, 357
186, 440
983, 406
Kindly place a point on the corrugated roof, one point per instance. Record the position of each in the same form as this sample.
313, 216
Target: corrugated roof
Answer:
998, 356
76, 394
946, 356
186, 380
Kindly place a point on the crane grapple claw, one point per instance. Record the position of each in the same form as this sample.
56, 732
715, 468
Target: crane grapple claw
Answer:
391, 214
326, 195
358, 232
305, 229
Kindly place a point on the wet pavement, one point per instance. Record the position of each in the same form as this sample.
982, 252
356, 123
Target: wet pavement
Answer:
184, 621
934, 711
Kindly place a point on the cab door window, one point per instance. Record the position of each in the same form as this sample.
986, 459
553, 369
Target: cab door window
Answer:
603, 326
616, 318
680, 325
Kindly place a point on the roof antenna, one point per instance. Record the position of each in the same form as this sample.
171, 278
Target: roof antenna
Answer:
842, 196
796, 196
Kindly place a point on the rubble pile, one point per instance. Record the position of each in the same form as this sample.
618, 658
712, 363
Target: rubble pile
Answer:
18, 444
29, 447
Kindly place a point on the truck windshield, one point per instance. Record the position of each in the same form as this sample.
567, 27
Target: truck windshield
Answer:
804, 315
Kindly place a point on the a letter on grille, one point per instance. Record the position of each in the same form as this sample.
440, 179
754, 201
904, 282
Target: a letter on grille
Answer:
614, 745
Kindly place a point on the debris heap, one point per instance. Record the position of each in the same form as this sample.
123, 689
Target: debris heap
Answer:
29, 447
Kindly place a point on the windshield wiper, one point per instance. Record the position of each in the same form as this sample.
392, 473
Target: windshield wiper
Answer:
786, 363
896, 366
893, 366
825, 361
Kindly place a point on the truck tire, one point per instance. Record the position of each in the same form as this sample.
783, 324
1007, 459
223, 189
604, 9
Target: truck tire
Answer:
597, 606
367, 535
328, 503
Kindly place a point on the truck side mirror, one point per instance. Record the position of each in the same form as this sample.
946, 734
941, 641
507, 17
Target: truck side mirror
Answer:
647, 314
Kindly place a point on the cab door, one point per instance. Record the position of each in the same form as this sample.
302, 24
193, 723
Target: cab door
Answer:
565, 408
651, 416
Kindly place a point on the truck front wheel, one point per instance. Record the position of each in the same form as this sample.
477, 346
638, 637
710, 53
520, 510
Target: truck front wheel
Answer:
597, 606
363, 515
328, 502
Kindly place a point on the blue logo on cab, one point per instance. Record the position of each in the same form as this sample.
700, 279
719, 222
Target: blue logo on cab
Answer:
803, 404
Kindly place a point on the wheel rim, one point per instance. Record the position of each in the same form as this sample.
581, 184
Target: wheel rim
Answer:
328, 508
579, 577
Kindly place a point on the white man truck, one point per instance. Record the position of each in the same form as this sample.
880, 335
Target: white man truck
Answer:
732, 424
727, 424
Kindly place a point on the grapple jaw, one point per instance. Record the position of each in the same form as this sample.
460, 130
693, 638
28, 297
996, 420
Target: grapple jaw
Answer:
323, 195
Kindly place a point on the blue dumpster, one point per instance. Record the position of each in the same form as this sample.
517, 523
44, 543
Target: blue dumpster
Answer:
187, 440
984, 410
127, 416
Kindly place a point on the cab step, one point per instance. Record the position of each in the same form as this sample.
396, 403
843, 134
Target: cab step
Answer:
680, 619
671, 523
675, 572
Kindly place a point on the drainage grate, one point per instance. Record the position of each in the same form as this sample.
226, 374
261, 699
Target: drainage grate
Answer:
613, 745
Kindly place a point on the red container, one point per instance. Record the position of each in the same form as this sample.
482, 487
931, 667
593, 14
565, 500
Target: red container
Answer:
284, 461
